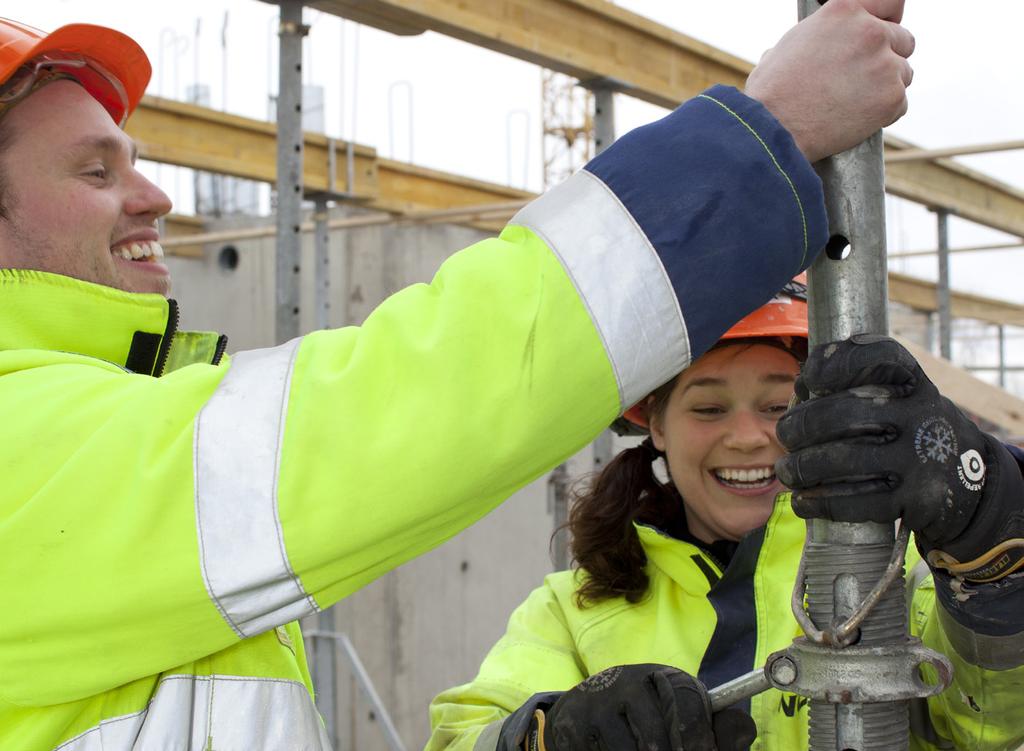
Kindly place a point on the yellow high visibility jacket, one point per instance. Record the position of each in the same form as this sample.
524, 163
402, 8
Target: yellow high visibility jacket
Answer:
168, 513
716, 624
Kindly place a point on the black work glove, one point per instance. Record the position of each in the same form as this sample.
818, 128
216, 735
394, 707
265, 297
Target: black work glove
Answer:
879, 442
643, 707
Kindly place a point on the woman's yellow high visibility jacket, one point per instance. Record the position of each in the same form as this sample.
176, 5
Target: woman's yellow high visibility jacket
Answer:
716, 624
168, 514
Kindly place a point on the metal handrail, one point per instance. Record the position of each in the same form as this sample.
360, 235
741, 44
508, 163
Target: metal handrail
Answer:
365, 685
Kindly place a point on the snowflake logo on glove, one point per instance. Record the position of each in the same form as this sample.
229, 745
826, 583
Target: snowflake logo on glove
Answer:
600, 681
935, 441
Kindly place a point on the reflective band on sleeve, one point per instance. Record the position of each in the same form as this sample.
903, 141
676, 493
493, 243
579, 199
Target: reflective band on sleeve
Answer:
619, 277
237, 451
216, 712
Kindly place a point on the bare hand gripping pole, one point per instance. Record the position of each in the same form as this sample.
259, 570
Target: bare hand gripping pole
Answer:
857, 663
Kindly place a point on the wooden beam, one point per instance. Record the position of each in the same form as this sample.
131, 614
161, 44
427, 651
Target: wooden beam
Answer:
920, 295
191, 136
909, 155
595, 39
587, 39
407, 188
961, 190
465, 214
965, 249
178, 227
978, 397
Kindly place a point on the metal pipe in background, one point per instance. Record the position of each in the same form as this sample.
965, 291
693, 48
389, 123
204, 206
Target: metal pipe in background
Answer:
321, 265
289, 169
558, 507
848, 295
602, 447
604, 118
325, 674
288, 253
604, 136
1002, 356
942, 288
381, 714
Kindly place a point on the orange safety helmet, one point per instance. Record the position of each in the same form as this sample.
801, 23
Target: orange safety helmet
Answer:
784, 317
112, 67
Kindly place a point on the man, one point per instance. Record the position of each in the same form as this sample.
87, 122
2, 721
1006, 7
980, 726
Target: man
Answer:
168, 514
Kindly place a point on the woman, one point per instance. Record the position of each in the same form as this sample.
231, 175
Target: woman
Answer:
686, 554
666, 571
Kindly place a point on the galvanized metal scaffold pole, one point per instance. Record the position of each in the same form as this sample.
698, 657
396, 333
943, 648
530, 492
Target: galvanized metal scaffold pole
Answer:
604, 136
853, 571
603, 445
942, 286
857, 663
289, 168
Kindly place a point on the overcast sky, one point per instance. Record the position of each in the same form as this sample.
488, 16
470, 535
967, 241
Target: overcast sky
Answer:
967, 89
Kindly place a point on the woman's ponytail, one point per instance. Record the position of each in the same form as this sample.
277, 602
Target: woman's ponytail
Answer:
604, 542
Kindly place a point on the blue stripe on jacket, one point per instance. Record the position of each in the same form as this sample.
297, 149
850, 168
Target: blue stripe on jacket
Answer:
733, 645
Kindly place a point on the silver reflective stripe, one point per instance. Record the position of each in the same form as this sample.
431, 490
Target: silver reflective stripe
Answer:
915, 578
984, 651
488, 738
237, 451
618, 274
218, 712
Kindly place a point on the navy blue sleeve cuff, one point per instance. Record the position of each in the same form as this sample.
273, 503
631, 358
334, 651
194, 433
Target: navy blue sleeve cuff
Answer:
727, 201
990, 609
517, 725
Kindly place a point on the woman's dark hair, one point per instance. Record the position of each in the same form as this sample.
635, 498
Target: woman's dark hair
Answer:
604, 542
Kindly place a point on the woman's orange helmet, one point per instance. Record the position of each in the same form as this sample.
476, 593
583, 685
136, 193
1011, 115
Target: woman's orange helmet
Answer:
784, 317
108, 64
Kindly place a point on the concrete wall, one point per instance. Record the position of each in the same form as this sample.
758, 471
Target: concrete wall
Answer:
426, 626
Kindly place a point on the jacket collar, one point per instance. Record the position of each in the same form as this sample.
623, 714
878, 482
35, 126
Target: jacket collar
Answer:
783, 531
39, 310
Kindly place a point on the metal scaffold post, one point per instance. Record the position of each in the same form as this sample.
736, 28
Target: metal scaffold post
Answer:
604, 136
321, 260
289, 169
603, 445
942, 287
290, 192
852, 574
857, 663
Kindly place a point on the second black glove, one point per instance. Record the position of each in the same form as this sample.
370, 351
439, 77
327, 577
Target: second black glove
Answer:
644, 707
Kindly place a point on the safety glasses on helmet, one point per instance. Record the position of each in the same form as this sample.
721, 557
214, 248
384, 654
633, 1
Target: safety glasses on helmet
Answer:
54, 65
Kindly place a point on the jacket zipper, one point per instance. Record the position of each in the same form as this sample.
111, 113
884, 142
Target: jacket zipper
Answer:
218, 353
165, 343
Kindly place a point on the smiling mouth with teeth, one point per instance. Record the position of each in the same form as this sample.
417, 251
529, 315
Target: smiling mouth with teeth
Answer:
147, 250
759, 477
